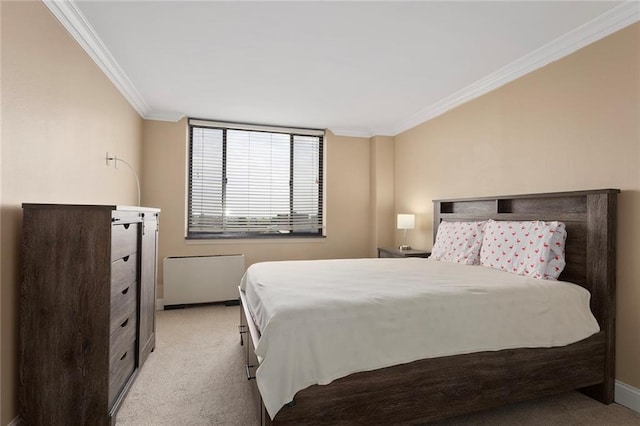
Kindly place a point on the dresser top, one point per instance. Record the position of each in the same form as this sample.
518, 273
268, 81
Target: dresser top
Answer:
90, 206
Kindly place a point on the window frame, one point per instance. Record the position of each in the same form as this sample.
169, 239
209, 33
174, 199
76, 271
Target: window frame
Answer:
238, 235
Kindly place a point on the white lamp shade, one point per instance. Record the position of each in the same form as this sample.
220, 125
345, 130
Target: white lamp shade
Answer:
406, 221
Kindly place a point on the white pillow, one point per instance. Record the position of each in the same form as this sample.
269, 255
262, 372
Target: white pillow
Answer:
530, 248
458, 242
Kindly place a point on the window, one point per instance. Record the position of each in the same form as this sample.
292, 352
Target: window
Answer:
251, 181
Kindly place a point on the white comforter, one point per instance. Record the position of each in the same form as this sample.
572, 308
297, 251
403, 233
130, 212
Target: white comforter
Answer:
325, 319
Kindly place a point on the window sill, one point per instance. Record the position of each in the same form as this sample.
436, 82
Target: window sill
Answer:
263, 240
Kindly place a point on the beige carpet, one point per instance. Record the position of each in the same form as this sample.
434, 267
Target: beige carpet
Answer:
196, 377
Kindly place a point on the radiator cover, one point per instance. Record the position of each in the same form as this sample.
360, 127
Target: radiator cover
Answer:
202, 279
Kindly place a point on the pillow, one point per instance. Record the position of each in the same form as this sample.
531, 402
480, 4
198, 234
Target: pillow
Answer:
458, 242
532, 248
556, 262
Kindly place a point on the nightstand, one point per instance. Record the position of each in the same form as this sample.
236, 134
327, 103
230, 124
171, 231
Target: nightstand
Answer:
395, 252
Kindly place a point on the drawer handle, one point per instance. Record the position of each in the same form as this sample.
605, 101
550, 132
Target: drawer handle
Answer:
124, 356
125, 291
126, 226
126, 258
124, 324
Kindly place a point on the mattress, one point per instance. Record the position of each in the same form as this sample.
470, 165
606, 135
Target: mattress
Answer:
325, 319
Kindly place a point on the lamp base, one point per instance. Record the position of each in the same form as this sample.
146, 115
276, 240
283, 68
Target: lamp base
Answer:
404, 247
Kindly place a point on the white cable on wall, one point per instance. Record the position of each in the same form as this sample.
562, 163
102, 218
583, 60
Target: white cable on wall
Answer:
115, 160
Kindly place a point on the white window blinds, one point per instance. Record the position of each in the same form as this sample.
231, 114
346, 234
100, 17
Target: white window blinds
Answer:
254, 182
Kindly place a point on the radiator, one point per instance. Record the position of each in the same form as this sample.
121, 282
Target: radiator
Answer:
202, 279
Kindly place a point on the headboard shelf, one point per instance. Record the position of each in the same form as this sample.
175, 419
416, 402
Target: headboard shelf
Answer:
569, 204
564, 217
534, 196
469, 207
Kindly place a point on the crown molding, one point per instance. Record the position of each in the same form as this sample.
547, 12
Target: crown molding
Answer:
350, 132
609, 22
67, 12
362, 133
383, 131
76, 24
164, 116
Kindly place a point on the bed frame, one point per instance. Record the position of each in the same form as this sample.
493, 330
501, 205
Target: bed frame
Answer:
437, 388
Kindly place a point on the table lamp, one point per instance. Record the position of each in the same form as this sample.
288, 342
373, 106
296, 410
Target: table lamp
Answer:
406, 221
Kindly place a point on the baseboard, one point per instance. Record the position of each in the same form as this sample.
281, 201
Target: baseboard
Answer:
15, 422
159, 304
628, 396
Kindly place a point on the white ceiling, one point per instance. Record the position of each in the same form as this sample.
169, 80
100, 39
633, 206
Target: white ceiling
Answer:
356, 68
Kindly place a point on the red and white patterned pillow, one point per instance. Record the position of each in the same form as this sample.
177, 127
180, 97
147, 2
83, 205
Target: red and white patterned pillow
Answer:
532, 248
459, 242
556, 262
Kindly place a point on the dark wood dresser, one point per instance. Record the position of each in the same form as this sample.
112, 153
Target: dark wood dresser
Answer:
87, 309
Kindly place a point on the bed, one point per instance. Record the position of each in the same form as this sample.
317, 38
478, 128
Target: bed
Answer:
434, 388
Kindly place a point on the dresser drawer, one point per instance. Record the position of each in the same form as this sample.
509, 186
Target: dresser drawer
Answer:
124, 274
120, 340
124, 240
121, 369
123, 309
122, 355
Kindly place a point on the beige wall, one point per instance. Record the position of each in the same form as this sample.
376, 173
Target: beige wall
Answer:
381, 194
347, 201
60, 115
572, 125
